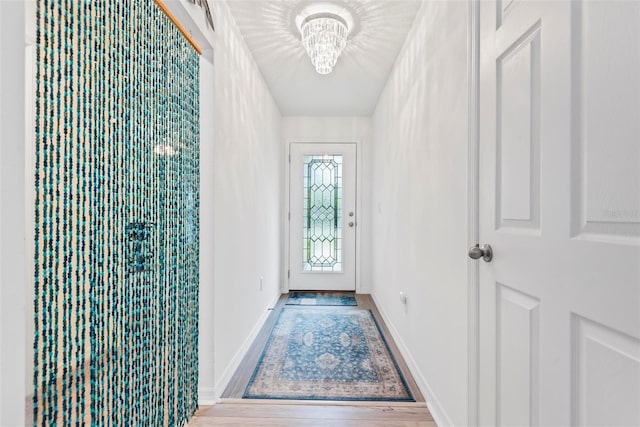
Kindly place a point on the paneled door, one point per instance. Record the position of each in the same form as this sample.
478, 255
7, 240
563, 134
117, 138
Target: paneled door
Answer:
322, 219
560, 206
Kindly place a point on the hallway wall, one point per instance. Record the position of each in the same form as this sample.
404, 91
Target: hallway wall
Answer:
420, 205
247, 201
14, 306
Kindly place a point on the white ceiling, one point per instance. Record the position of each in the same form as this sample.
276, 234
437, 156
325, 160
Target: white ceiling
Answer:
353, 88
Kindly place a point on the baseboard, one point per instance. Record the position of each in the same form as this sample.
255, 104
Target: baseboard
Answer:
284, 402
435, 408
233, 365
28, 413
207, 396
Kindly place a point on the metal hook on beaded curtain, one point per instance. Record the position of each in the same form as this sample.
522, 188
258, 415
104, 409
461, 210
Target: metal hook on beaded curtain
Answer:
178, 25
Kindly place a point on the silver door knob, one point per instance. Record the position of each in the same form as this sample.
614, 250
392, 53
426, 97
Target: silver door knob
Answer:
351, 224
486, 252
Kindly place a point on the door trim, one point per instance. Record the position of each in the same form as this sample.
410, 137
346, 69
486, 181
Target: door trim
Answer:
473, 216
287, 202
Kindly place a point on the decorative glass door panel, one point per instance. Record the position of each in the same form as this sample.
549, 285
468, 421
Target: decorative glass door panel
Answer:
322, 221
322, 234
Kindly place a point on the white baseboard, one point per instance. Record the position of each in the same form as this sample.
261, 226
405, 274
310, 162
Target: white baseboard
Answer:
207, 396
233, 365
435, 408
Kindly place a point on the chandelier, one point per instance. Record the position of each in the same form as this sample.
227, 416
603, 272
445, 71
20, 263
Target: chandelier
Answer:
324, 35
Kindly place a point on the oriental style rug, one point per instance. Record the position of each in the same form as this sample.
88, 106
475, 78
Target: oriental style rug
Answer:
323, 353
321, 298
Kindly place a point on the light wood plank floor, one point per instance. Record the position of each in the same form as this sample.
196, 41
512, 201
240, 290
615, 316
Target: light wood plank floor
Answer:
304, 414
235, 411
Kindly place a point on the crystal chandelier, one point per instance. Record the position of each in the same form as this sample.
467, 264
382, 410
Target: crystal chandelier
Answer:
324, 36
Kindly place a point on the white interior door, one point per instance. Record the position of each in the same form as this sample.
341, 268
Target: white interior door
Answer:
560, 205
322, 204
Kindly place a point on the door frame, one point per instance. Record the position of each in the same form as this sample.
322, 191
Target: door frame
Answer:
287, 202
473, 214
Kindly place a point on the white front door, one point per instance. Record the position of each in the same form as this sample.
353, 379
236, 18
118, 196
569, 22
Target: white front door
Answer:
560, 205
322, 225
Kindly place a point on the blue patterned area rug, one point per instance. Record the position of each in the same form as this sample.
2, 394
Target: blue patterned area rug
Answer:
321, 298
327, 354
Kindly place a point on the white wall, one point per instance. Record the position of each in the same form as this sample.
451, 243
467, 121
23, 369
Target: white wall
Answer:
420, 204
206, 325
13, 216
339, 129
247, 197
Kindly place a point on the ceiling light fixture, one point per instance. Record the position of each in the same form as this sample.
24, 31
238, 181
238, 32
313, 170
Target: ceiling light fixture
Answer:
324, 29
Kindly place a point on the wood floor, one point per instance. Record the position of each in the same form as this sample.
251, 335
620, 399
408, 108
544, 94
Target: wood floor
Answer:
235, 411
304, 414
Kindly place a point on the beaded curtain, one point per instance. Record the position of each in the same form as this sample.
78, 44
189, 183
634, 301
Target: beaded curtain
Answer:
116, 214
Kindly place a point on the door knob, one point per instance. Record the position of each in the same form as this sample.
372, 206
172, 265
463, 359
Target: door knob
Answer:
351, 224
486, 252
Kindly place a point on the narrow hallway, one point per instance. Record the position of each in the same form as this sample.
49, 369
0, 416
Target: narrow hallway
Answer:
171, 169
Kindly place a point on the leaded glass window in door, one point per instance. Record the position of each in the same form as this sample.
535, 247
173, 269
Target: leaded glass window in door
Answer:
322, 210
